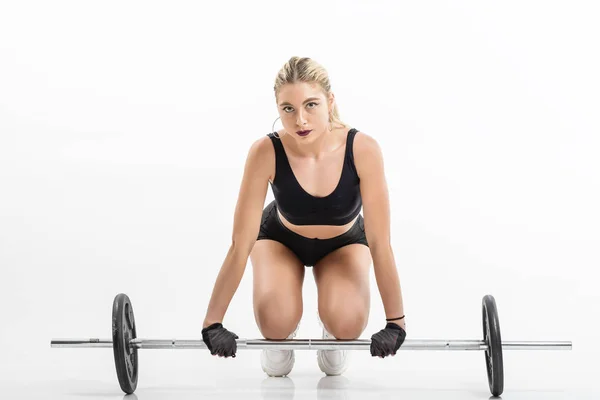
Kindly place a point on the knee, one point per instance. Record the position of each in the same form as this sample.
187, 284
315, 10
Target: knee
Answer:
345, 323
277, 322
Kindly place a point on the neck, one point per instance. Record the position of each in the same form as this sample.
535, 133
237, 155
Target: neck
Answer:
316, 149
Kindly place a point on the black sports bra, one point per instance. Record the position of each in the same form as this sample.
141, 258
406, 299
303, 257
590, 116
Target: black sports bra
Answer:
301, 208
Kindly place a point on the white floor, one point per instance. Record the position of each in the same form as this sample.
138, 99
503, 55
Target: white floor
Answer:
266, 388
298, 388
89, 374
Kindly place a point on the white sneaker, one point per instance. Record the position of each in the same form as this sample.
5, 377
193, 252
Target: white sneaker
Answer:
332, 362
278, 362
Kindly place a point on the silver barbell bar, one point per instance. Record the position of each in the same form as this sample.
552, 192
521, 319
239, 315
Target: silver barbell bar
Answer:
310, 344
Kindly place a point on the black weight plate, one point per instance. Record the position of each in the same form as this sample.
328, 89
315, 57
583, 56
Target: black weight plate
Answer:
123, 330
492, 337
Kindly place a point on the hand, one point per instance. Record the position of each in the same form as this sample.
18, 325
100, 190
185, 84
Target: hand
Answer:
219, 340
387, 341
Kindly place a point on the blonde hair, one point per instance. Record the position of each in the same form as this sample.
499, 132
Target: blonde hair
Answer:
305, 69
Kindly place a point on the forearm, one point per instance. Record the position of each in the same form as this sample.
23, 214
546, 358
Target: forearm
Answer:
388, 283
226, 284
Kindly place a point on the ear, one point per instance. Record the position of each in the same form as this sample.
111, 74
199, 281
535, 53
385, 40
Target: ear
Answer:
331, 100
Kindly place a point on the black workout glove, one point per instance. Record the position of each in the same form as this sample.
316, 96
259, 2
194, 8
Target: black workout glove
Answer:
219, 340
387, 341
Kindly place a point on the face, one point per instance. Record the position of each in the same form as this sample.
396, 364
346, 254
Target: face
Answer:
303, 106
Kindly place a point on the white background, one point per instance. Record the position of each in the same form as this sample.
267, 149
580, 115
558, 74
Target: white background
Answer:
124, 128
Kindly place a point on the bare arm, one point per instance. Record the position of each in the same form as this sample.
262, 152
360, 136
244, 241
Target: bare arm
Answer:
376, 209
246, 224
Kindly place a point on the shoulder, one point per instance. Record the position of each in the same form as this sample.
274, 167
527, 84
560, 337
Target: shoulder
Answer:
367, 153
364, 142
262, 145
261, 155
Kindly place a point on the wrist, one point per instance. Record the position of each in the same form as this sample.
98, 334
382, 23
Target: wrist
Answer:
395, 320
208, 323
400, 321
401, 324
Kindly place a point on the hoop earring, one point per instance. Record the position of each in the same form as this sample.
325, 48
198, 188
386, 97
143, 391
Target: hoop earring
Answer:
273, 128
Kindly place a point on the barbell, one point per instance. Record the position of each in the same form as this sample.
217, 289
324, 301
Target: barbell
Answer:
125, 344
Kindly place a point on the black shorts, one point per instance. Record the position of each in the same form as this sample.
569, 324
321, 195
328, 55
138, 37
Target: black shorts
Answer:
308, 250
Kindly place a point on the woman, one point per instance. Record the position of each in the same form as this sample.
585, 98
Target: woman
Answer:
322, 173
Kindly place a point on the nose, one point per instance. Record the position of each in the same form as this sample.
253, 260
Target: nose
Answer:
300, 119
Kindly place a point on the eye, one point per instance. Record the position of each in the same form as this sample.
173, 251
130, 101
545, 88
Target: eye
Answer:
312, 102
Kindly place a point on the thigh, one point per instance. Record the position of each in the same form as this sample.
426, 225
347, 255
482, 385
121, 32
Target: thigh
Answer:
342, 277
278, 276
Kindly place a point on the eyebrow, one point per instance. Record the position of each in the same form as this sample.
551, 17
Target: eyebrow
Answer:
305, 101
